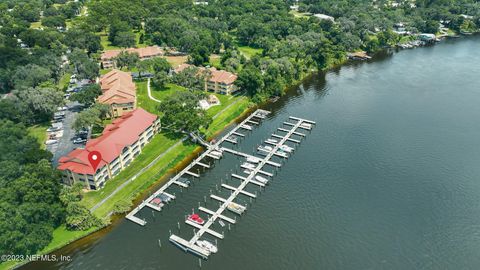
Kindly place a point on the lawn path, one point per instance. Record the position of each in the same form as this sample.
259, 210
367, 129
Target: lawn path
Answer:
150, 92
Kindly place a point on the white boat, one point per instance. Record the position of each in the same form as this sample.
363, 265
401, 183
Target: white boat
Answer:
248, 165
247, 171
281, 153
286, 148
272, 141
261, 179
253, 159
236, 208
245, 126
306, 125
265, 148
207, 245
221, 223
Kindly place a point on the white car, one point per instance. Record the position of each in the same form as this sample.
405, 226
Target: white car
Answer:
50, 142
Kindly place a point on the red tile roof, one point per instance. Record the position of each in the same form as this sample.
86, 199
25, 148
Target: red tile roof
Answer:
219, 76
142, 52
222, 76
117, 87
123, 131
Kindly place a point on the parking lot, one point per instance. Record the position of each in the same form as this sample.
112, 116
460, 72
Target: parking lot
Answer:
65, 142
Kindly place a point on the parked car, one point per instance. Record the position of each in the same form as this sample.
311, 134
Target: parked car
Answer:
66, 96
62, 109
79, 140
53, 129
50, 142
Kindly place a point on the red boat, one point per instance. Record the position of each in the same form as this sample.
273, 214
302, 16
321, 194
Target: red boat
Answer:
196, 218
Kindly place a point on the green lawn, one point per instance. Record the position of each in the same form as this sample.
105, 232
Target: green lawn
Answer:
215, 61
158, 145
226, 117
169, 90
64, 81
62, 236
225, 100
145, 180
143, 100
40, 133
249, 51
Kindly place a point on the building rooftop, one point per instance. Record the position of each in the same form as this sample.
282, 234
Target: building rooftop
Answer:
122, 132
117, 87
142, 52
220, 76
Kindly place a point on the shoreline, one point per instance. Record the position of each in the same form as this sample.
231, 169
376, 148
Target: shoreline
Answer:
98, 233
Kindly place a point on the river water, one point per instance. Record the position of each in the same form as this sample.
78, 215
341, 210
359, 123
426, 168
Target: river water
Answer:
388, 178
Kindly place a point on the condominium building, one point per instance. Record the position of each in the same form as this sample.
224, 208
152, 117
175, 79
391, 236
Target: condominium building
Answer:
119, 92
118, 145
107, 58
218, 81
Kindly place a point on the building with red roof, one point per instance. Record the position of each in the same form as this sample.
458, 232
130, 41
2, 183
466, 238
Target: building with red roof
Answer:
120, 142
107, 57
218, 81
118, 91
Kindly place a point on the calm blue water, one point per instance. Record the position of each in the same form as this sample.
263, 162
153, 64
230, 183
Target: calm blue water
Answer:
388, 179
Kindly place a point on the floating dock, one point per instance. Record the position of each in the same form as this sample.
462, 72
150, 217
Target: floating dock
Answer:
228, 203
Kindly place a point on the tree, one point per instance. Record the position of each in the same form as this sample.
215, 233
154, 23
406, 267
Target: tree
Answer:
54, 21
190, 78
182, 113
125, 39
126, 59
143, 66
160, 80
116, 27
91, 117
79, 217
30, 75
85, 67
38, 104
250, 80
159, 64
87, 95
83, 39
199, 56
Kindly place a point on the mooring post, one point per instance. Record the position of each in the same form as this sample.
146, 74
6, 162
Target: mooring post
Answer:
159, 243
200, 262
178, 225
170, 231
153, 213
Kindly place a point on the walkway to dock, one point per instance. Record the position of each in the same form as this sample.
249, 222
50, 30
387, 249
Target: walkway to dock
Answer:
250, 179
259, 114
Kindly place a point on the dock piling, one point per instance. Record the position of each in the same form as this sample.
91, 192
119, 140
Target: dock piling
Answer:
159, 243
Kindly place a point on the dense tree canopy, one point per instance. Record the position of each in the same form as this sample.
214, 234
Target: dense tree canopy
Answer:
182, 113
